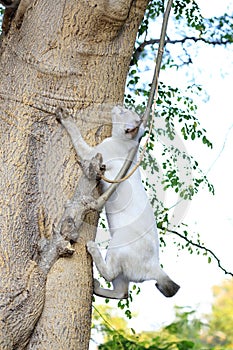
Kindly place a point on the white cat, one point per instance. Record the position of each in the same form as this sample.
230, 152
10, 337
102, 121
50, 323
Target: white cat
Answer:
133, 251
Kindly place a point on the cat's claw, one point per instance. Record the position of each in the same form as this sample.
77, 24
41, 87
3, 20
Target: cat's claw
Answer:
61, 114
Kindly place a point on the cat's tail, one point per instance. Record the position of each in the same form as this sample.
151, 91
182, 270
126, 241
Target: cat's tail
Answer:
167, 287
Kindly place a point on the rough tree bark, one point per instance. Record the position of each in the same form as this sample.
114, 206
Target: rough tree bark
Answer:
57, 53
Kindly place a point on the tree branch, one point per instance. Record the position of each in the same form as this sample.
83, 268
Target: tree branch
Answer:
67, 231
142, 46
189, 241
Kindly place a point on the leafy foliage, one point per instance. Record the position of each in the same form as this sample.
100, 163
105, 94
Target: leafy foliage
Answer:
221, 318
188, 28
120, 342
1, 15
182, 334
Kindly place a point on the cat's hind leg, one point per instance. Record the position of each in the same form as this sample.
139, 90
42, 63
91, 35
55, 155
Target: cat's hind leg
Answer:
111, 272
119, 291
108, 270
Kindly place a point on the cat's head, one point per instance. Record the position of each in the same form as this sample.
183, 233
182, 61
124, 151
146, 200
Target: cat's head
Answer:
126, 124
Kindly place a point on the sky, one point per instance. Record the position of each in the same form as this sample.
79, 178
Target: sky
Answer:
211, 216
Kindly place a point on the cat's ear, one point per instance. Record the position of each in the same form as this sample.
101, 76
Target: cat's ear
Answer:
116, 109
117, 112
118, 121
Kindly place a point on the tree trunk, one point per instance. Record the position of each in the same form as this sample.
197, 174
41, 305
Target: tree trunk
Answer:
58, 53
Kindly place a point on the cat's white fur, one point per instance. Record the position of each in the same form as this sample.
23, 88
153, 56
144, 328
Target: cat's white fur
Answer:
133, 251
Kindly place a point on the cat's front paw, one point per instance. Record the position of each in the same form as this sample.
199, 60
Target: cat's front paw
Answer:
61, 114
91, 247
